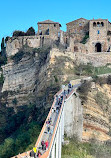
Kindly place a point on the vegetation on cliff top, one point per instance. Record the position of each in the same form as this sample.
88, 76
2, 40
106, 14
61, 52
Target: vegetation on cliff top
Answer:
90, 70
29, 32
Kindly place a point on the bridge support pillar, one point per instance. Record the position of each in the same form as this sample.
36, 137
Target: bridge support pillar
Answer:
60, 139
62, 126
53, 152
57, 144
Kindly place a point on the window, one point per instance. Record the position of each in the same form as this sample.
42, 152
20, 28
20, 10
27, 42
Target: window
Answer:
40, 25
58, 34
94, 24
98, 24
54, 25
80, 24
102, 24
98, 32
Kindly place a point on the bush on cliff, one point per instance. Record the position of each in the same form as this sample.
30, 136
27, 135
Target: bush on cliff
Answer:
84, 40
17, 33
18, 56
1, 79
3, 60
30, 32
83, 90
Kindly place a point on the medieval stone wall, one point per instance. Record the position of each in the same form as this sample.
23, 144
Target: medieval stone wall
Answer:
97, 59
14, 44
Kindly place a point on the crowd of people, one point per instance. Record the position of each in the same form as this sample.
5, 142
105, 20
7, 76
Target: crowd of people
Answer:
37, 152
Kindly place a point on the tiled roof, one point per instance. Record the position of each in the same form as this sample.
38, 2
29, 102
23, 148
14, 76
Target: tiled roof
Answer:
48, 22
77, 20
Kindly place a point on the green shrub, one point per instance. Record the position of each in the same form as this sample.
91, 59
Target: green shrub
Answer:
14, 101
18, 56
83, 90
6, 39
56, 79
17, 33
2, 43
102, 100
3, 60
1, 79
84, 40
30, 32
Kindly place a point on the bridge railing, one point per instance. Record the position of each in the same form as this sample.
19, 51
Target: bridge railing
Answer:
46, 154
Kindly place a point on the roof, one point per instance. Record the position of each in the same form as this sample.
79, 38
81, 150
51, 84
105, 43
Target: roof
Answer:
98, 19
77, 20
48, 22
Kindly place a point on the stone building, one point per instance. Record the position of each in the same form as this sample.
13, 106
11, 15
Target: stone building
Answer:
48, 32
50, 28
78, 28
88, 36
99, 40
82, 35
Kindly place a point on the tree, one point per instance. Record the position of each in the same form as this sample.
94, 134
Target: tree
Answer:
17, 33
30, 32
2, 43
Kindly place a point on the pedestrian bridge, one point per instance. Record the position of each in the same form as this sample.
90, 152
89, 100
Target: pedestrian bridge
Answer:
66, 117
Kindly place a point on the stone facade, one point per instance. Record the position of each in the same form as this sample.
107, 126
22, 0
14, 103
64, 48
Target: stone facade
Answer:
77, 29
50, 28
89, 35
98, 39
82, 35
48, 32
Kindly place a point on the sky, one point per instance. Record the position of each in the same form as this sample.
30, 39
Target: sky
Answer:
22, 14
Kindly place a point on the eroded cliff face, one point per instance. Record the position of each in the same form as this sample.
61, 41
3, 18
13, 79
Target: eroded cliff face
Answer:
32, 73
97, 113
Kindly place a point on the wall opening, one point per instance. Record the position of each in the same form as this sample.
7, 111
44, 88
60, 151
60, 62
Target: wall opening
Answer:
94, 24
98, 24
102, 24
75, 49
98, 47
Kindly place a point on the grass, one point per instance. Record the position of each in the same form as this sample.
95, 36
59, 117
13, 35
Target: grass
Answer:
90, 70
92, 149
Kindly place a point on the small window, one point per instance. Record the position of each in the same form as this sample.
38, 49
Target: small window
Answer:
58, 34
80, 24
98, 32
40, 25
54, 25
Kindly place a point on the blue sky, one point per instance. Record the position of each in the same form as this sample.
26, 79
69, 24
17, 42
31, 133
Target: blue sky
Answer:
22, 14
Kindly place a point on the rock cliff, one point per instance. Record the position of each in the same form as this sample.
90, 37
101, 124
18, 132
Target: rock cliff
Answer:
97, 113
31, 71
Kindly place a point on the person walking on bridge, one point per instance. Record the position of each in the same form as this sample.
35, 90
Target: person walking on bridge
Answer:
46, 143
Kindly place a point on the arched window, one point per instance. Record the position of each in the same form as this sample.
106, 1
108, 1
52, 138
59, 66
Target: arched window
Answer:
102, 24
98, 47
94, 24
98, 24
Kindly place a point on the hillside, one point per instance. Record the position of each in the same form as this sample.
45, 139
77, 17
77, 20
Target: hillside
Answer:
29, 80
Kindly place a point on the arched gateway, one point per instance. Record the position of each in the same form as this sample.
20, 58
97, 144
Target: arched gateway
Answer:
98, 47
